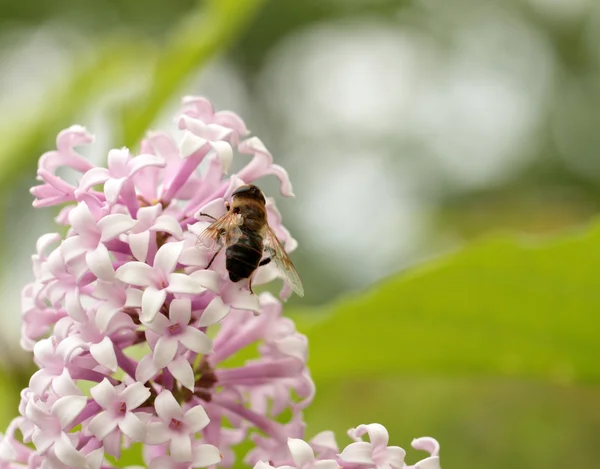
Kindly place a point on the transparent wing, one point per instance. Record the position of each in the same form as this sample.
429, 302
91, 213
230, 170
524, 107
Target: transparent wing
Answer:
282, 261
222, 232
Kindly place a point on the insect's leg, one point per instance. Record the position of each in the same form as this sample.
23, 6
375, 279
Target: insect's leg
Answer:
264, 261
213, 258
250, 285
206, 215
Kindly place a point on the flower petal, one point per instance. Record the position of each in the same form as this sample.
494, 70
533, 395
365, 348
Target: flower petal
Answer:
139, 243
326, 464
214, 312
137, 273
433, 462
132, 426
67, 408
101, 425
182, 283
115, 224
67, 454
181, 369
167, 257
104, 353
157, 433
100, 263
145, 369
196, 341
181, 447
168, 224
104, 394
167, 407
196, 418
206, 455
302, 453
358, 453
82, 221
135, 395
152, 300
164, 351
180, 311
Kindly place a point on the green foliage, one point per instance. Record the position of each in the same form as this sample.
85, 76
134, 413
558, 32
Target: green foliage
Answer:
500, 306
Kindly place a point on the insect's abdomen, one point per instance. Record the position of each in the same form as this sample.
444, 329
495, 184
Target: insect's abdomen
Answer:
243, 257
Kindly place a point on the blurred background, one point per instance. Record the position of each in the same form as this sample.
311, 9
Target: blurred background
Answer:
407, 127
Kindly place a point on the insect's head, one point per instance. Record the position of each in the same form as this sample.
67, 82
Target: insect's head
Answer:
249, 191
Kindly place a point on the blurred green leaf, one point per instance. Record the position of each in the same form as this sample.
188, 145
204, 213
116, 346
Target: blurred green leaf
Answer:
202, 34
501, 306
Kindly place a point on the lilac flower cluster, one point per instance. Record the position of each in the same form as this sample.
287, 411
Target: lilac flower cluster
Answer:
133, 335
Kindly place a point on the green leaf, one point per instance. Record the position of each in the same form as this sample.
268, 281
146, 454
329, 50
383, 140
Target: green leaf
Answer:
501, 306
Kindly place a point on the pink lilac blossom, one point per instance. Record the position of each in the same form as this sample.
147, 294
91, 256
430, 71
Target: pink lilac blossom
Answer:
125, 302
322, 452
137, 342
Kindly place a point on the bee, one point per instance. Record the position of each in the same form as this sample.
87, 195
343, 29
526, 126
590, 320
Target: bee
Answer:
248, 239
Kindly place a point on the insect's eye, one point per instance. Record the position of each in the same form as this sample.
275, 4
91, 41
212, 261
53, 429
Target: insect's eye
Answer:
236, 210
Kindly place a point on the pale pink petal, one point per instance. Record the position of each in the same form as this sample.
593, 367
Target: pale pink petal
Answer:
196, 341
207, 278
326, 464
181, 447
99, 263
378, 435
135, 395
432, 462
169, 225
358, 453
101, 425
167, 257
225, 154
145, 369
70, 248
301, 452
82, 221
182, 283
67, 408
92, 178
117, 162
157, 433
206, 455
190, 144
164, 351
143, 161
64, 385
167, 407
132, 426
137, 273
159, 324
394, 456
180, 311
133, 298
152, 301
95, 459
196, 418
67, 454
181, 369
428, 444
139, 243
325, 439
113, 225
244, 300
214, 312
104, 353
112, 189
104, 393
215, 208
73, 306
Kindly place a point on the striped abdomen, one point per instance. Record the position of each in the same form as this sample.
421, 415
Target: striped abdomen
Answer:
243, 257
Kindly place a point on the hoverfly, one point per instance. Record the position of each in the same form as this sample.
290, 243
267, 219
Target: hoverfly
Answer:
248, 239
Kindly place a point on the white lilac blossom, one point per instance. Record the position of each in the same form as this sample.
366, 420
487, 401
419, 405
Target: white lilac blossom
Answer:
136, 339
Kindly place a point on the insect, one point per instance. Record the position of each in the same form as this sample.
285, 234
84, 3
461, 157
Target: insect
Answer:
246, 236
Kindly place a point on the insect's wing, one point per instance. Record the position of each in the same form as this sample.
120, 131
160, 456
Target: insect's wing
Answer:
221, 233
283, 262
